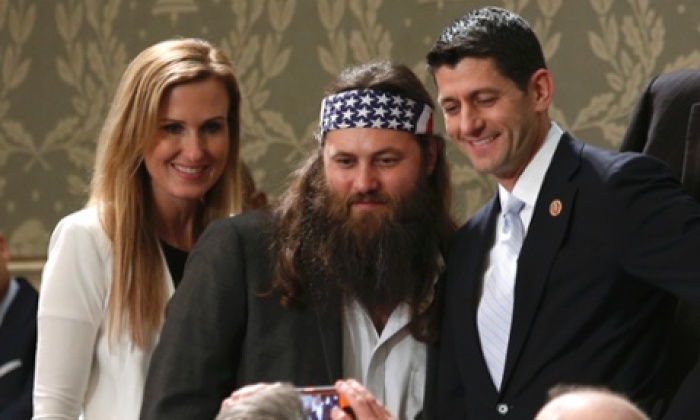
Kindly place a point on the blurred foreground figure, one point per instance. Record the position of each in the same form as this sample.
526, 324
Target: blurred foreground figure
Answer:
582, 403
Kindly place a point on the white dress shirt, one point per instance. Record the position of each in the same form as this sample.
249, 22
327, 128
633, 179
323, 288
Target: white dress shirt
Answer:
527, 187
391, 365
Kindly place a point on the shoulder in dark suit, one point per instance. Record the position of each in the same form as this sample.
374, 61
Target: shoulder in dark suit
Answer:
666, 123
17, 349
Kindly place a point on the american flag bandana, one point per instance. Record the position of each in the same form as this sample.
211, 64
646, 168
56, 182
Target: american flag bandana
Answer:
374, 109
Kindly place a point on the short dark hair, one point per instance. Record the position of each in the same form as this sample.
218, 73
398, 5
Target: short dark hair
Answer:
491, 32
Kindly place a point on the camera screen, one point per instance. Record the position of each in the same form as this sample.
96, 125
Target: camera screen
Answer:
319, 406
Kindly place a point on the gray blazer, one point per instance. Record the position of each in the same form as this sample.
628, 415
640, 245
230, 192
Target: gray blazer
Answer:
221, 332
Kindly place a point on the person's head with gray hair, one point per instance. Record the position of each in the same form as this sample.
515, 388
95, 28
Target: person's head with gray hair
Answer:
580, 402
278, 401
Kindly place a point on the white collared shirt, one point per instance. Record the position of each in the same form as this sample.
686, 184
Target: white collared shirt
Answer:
391, 365
527, 187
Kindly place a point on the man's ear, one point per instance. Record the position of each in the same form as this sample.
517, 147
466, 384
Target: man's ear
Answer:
542, 89
433, 150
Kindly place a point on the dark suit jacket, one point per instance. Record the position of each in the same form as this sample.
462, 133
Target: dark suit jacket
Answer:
666, 123
17, 348
221, 333
595, 288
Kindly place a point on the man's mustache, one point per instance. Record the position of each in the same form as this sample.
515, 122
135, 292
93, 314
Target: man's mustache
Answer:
368, 197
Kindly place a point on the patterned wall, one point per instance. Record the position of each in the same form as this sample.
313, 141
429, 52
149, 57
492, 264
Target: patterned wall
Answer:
60, 61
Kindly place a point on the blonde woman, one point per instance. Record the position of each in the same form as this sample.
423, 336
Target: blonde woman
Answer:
166, 165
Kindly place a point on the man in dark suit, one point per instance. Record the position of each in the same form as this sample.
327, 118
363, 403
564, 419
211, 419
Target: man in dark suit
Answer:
337, 281
18, 306
578, 283
666, 123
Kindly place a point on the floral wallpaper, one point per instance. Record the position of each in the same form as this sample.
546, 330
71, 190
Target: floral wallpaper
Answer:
60, 61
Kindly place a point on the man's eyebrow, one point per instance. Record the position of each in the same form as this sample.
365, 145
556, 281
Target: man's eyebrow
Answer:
389, 149
476, 92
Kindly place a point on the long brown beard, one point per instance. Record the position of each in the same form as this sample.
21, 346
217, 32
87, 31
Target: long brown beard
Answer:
379, 258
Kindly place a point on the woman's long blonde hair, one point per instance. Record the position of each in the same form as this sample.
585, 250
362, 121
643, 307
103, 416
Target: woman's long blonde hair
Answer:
120, 187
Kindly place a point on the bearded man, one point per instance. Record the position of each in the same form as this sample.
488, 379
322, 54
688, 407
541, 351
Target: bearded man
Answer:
338, 280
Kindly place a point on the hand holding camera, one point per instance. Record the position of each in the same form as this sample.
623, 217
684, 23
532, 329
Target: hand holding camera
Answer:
345, 400
364, 405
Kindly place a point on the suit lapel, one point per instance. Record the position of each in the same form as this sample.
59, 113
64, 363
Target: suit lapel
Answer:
691, 158
467, 263
330, 332
547, 229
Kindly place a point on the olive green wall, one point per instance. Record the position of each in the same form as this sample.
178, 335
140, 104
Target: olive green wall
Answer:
60, 61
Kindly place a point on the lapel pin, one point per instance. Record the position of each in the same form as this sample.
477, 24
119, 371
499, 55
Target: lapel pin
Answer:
555, 207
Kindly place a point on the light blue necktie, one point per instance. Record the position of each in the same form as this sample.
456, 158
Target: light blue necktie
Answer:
496, 307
